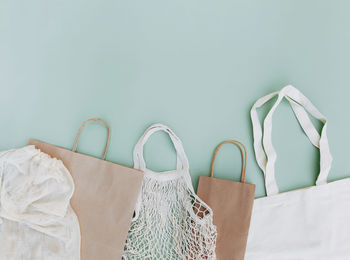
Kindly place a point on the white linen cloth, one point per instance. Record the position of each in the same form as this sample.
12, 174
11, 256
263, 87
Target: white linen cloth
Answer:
36, 219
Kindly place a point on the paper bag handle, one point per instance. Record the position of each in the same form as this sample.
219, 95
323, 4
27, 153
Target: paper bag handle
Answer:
99, 120
243, 150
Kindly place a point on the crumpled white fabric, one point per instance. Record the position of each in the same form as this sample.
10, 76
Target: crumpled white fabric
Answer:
36, 219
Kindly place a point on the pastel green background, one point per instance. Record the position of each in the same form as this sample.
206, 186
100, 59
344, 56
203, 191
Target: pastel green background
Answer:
195, 65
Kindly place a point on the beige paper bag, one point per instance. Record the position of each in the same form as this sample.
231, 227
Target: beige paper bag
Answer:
104, 198
232, 204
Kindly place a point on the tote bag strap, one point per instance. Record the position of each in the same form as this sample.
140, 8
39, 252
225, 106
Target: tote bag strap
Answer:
264, 150
243, 151
101, 121
139, 161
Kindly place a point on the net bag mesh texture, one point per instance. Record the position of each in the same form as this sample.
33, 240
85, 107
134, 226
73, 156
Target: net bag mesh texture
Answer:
171, 223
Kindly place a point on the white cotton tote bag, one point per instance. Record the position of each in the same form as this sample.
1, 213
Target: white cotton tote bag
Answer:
171, 222
304, 224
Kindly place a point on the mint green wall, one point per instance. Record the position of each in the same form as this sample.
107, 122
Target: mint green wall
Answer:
197, 66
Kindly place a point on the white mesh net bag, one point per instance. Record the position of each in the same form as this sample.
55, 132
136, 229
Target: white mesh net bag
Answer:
171, 221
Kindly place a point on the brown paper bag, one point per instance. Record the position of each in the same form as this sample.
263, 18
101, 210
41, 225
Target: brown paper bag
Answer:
232, 204
104, 198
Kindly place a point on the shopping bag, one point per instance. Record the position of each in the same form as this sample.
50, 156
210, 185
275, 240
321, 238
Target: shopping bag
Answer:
170, 221
232, 204
311, 223
104, 198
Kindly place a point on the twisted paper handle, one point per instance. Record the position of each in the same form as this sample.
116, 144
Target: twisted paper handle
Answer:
99, 120
243, 151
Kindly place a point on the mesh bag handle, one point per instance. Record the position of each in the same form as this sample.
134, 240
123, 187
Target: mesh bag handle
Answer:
139, 161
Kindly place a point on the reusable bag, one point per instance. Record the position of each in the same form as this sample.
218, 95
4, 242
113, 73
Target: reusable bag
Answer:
305, 224
232, 204
170, 221
36, 219
104, 198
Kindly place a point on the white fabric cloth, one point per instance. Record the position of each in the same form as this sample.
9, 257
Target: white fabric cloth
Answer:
171, 222
36, 219
305, 224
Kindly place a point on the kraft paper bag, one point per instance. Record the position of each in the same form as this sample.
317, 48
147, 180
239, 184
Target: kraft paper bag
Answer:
104, 198
232, 204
